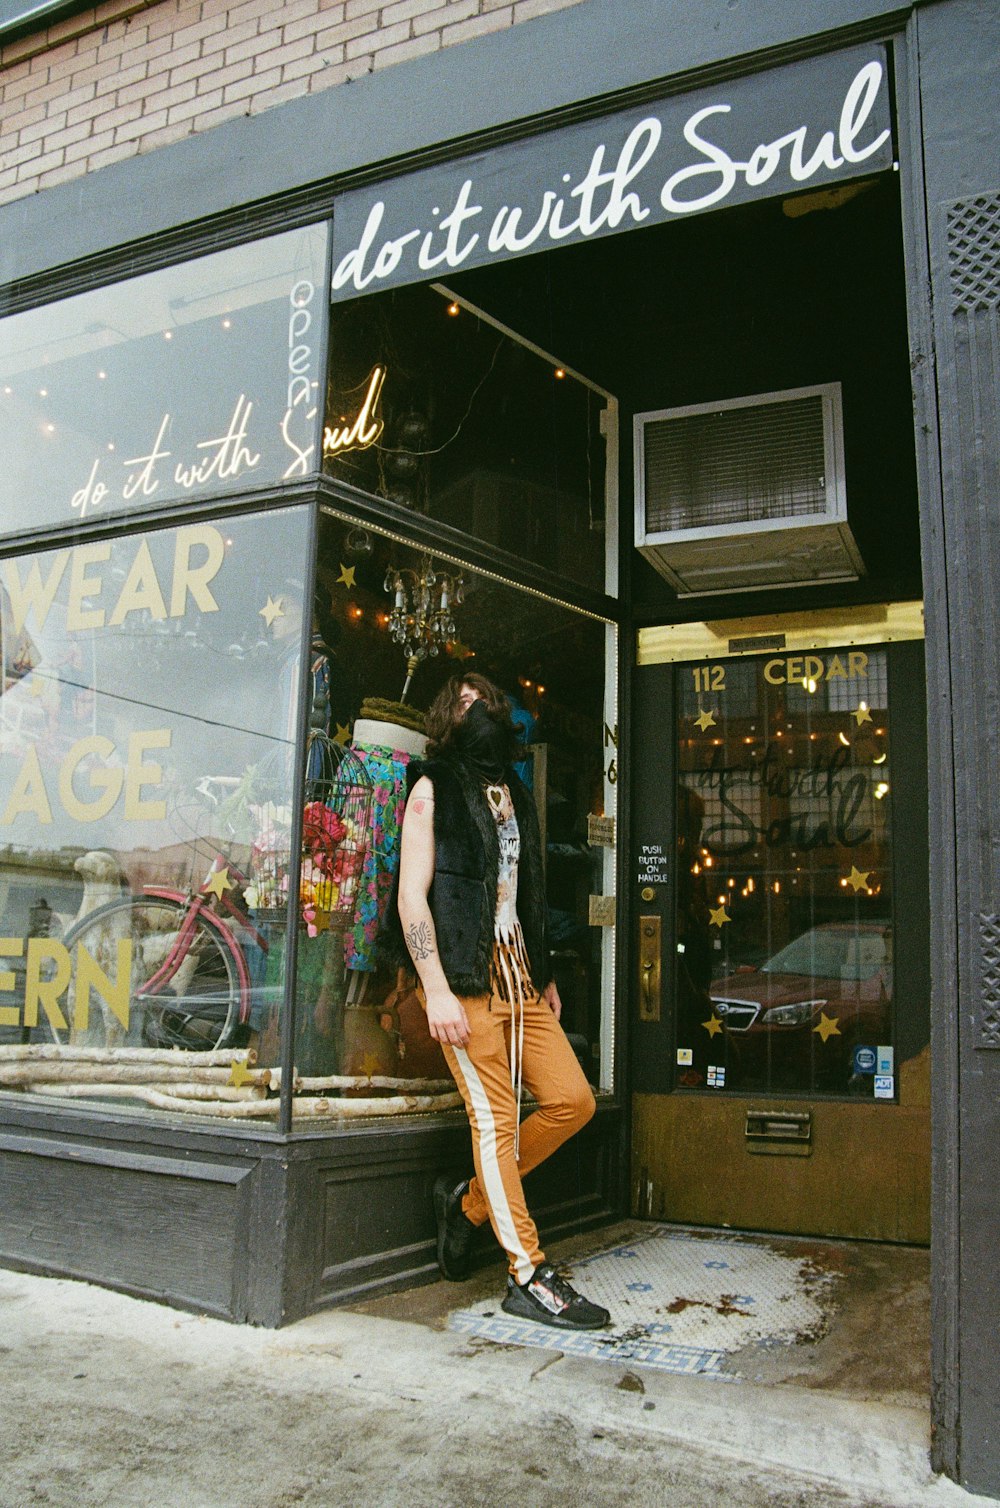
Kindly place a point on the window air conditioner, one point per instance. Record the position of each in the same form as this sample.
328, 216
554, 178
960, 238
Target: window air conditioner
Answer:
745, 495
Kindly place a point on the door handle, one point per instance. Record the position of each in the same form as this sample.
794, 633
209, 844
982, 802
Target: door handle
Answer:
649, 968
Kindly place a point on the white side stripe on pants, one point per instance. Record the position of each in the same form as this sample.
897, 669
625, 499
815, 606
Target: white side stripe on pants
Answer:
495, 1191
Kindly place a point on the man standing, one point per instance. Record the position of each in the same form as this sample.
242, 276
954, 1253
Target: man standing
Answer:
471, 909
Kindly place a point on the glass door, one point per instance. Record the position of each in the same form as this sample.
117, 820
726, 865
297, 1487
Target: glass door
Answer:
780, 1057
783, 974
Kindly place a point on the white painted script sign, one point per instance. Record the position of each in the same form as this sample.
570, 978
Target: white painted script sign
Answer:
807, 124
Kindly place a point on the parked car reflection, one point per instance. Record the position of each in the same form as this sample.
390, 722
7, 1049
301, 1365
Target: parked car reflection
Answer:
794, 1022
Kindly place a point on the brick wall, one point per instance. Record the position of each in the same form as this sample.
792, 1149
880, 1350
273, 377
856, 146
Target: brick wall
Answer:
133, 75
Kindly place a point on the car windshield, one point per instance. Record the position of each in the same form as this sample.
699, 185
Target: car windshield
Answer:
833, 954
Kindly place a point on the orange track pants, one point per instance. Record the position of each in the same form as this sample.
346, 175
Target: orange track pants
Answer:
481, 1070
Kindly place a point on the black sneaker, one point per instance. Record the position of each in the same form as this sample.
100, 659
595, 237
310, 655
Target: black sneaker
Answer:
455, 1230
549, 1299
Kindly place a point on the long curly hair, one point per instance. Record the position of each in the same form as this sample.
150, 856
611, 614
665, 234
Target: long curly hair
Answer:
446, 712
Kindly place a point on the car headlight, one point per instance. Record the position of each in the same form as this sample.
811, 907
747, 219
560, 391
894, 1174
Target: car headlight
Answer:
792, 1015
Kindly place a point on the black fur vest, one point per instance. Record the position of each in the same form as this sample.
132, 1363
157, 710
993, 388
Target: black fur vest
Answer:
463, 894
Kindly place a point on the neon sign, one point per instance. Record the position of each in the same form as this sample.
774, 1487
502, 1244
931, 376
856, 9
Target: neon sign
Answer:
365, 428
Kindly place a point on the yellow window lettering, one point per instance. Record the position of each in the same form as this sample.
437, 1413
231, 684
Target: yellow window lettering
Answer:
195, 578
107, 781
858, 663
45, 992
835, 669
33, 593
82, 586
114, 992
10, 947
28, 795
138, 774
772, 672
141, 590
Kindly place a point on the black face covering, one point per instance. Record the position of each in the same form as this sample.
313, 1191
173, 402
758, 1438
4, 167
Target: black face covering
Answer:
482, 744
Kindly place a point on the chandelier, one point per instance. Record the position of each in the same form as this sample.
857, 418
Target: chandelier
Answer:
422, 619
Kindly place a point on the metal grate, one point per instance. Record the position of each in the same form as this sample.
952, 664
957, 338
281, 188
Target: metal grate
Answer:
746, 464
974, 253
989, 1005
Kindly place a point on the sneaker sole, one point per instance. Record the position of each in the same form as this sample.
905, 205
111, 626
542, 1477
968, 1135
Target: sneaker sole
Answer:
555, 1321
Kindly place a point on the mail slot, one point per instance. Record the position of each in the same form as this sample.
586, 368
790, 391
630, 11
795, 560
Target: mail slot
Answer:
779, 1132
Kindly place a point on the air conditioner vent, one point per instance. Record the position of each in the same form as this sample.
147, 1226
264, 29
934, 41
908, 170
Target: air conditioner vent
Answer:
745, 494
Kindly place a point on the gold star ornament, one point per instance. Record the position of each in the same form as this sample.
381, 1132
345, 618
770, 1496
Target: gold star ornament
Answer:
858, 879
704, 721
827, 1026
346, 577
342, 734
272, 609
713, 1025
718, 917
862, 715
218, 882
239, 1074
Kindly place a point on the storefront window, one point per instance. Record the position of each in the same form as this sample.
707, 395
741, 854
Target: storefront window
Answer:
784, 966
147, 768
148, 717
196, 380
382, 652
444, 412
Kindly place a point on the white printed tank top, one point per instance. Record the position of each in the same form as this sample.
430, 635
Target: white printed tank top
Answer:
511, 968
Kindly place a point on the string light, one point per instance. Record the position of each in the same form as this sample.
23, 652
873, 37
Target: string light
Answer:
454, 309
560, 373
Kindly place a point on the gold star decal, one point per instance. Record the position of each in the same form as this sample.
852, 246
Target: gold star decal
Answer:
857, 879
704, 721
370, 1065
342, 734
460, 651
218, 882
713, 1025
239, 1074
272, 609
862, 715
719, 917
321, 920
827, 1026
346, 576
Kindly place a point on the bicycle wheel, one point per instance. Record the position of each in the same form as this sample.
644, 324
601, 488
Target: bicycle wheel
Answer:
183, 988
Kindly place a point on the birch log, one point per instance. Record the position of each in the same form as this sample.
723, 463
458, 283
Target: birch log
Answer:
398, 1104
163, 1099
377, 1081
18, 1075
46, 1052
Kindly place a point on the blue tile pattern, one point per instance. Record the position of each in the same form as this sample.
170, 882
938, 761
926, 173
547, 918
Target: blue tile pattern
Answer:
678, 1284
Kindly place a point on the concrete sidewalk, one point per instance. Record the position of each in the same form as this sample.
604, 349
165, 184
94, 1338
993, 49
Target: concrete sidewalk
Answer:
113, 1401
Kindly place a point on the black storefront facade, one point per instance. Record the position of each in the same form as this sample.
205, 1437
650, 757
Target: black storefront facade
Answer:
660, 243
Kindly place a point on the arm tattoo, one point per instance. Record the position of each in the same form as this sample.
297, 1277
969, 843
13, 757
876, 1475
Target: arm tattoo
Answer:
418, 940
